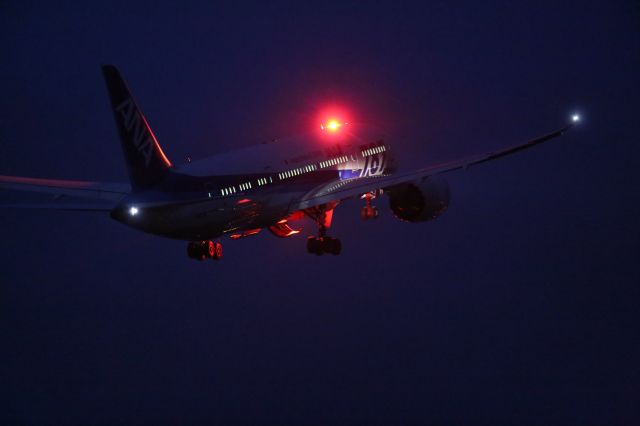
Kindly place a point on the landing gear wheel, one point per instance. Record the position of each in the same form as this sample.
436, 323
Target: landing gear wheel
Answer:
193, 250
322, 245
331, 245
217, 251
336, 247
314, 246
201, 250
368, 212
210, 248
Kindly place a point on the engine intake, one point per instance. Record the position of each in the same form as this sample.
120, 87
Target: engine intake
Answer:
419, 201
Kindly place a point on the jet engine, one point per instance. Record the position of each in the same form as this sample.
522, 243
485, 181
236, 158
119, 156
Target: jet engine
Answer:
419, 201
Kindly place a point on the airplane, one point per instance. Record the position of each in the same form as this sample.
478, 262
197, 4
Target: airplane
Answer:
266, 186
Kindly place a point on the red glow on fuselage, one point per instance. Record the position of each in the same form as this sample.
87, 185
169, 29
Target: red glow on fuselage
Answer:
246, 233
297, 215
283, 230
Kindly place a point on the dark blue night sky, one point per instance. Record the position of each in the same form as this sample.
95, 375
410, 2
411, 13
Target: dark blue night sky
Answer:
518, 306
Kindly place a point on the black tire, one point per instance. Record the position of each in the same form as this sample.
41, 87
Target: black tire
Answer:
209, 248
314, 246
331, 245
193, 250
217, 251
310, 244
336, 246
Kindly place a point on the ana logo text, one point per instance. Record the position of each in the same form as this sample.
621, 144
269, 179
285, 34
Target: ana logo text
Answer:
374, 165
137, 129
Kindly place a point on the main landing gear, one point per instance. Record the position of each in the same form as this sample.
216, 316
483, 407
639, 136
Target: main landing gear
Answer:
202, 250
322, 243
368, 211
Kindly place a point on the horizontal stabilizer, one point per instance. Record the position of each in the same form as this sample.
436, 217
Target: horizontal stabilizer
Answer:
71, 188
86, 207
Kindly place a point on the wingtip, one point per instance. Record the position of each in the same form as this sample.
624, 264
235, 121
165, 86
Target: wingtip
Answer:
575, 118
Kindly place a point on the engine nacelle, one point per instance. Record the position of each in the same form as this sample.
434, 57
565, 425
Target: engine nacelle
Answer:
419, 201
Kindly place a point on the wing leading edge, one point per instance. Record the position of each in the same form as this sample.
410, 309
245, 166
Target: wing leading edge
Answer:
354, 187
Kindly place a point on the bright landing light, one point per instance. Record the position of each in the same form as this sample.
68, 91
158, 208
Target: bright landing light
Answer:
332, 125
133, 211
575, 118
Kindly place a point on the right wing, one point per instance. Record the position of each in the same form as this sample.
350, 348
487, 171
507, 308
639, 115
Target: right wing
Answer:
349, 188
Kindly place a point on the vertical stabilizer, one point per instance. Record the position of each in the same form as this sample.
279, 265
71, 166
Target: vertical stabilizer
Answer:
146, 162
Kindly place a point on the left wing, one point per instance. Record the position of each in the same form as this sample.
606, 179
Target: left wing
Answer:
103, 195
354, 187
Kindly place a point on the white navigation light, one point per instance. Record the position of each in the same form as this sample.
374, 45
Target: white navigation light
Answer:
575, 118
133, 211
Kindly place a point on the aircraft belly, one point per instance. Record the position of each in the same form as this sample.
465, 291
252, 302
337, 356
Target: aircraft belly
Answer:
213, 220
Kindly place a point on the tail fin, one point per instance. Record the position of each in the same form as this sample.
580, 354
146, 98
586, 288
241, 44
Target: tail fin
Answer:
146, 162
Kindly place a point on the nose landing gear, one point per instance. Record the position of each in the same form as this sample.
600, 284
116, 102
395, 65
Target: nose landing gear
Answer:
201, 250
368, 211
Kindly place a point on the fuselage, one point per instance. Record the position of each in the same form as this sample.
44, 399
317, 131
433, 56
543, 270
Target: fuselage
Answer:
255, 187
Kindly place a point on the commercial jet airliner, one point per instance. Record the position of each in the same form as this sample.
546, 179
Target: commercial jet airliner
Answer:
267, 186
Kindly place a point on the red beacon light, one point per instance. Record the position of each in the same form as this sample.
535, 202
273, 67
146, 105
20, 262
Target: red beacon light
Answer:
332, 126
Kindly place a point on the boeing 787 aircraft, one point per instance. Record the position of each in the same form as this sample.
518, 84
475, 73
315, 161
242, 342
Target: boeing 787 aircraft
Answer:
267, 186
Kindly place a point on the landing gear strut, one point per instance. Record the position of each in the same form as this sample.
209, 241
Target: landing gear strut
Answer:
323, 243
202, 250
368, 211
